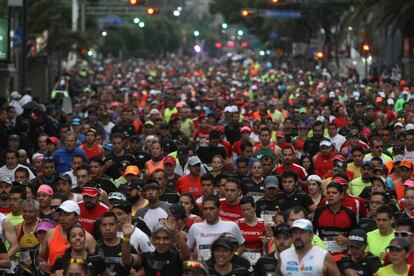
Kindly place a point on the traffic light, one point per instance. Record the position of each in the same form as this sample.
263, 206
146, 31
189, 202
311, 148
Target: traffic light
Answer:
152, 11
247, 13
136, 2
319, 55
366, 49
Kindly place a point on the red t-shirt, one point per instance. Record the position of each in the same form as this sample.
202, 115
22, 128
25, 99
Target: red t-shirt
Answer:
230, 212
88, 217
356, 204
253, 234
188, 184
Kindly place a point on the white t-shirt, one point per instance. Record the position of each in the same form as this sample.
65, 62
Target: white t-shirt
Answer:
201, 235
153, 217
338, 140
108, 129
139, 240
4, 171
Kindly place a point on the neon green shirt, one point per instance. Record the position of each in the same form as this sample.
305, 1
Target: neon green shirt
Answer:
389, 271
357, 185
378, 243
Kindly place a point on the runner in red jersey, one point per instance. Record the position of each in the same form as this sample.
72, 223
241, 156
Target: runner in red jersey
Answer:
323, 160
91, 208
255, 231
90, 147
288, 155
230, 205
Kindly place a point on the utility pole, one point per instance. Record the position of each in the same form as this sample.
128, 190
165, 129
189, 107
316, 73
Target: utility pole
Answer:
23, 60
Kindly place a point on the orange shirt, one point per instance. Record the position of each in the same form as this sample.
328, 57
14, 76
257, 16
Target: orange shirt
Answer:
189, 184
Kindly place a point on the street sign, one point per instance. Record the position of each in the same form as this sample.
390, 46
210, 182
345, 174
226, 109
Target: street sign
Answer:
4, 38
283, 14
111, 20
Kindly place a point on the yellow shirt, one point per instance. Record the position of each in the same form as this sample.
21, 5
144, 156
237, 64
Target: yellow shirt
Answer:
378, 243
389, 271
354, 169
357, 185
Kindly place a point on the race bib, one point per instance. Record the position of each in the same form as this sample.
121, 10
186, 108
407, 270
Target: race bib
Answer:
267, 216
204, 252
252, 256
332, 246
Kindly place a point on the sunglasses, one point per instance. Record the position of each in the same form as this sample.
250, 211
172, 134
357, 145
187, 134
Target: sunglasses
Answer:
192, 264
402, 234
76, 261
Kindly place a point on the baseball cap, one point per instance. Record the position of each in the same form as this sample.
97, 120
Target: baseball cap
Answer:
409, 127
124, 206
149, 185
222, 242
409, 183
149, 123
14, 137
282, 229
315, 178
76, 121
357, 238
178, 211
154, 112
390, 102
367, 163
123, 164
398, 124
194, 160
340, 164
228, 109
45, 225
117, 196
340, 180
136, 184
70, 206
37, 156
183, 150
169, 160
246, 129
195, 266
90, 191
53, 140
6, 179
406, 163
132, 170
271, 182
399, 243
325, 143
64, 177
303, 224
45, 189
353, 134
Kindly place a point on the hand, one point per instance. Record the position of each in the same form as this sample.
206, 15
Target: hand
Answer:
341, 239
44, 267
350, 272
128, 229
382, 256
182, 235
59, 272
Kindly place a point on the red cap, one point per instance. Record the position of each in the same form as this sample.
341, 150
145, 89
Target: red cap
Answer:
53, 140
169, 160
246, 129
340, 180
280, 135
90, 191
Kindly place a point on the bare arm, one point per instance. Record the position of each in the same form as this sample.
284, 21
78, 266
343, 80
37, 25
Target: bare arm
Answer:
43, 256
5, 260
128, 258
278, 271
11, 237
90, 243
329, 266
185, 252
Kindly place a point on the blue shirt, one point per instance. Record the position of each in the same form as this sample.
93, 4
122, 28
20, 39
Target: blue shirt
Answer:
63, 159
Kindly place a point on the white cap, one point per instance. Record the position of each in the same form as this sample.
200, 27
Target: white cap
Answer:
37, 155
320, 119
154, 112
381, 94
234, 109
303, 224
390, 102
409, 127
15, 95
315, 178
194, 160
325, 143
228, 109
356, 95
70, 206
331, 94
405, 93
398, 124
254, 87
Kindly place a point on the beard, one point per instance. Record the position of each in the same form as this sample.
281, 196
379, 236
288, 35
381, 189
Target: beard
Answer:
132, 199
89, 205
299, 244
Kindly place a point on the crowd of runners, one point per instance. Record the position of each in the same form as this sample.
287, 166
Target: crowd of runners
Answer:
231, 166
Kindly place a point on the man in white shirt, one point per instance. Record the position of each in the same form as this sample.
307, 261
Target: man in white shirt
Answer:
201, 235
337, 139
12, 164
139, 240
